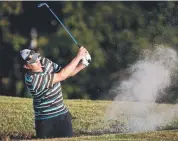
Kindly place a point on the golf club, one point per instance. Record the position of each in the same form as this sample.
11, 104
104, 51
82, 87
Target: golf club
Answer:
45, 4
88, 57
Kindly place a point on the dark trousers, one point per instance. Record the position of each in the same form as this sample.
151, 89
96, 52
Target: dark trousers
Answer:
60, 126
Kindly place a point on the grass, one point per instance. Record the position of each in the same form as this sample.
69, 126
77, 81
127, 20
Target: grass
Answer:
150, 136
88, 121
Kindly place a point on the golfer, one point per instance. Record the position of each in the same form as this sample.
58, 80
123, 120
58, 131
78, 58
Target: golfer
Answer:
42, 78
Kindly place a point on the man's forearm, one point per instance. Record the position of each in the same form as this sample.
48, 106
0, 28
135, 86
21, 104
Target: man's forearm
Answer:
78, 69
69, 69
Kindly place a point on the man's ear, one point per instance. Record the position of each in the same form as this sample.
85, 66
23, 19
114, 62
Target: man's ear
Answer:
26, 67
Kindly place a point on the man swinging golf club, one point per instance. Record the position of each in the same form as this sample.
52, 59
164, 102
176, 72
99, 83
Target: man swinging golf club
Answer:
42, 78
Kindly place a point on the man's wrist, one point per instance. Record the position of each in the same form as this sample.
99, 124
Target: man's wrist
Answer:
78, 58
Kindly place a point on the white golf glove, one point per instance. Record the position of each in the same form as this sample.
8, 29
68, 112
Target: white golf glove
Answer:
86, 61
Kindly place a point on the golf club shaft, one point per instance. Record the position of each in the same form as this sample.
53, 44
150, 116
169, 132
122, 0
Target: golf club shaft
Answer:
64, 27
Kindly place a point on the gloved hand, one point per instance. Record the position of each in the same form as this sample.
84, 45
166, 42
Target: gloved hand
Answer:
86, 61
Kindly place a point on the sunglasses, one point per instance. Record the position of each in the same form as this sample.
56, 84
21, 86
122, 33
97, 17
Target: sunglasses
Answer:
34, 57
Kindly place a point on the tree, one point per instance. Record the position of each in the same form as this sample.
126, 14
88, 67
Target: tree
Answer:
10, 43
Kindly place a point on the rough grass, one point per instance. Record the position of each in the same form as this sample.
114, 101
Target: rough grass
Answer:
17, 120
150, 136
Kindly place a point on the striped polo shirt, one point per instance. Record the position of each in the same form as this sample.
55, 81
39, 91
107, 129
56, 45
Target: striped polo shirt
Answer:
47, 97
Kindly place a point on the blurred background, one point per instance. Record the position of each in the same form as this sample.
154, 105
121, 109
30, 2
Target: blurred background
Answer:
113, 32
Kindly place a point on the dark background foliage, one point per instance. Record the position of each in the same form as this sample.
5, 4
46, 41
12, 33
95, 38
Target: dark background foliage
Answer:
113, 32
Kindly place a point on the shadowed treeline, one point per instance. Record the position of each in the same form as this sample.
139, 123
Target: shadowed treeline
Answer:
115, 33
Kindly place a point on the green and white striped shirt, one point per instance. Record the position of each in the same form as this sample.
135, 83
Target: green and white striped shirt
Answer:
47, 97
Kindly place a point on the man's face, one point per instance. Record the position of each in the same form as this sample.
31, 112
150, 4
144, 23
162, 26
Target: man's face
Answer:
34, 66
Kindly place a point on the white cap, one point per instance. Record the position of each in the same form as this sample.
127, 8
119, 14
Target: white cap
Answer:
25, 53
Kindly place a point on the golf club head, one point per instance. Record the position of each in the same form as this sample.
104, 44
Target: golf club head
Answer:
42, 4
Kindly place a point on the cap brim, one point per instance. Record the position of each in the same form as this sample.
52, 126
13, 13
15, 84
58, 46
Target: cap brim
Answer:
34, 58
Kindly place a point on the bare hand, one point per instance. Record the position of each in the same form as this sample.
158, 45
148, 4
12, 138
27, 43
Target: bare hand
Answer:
82, 52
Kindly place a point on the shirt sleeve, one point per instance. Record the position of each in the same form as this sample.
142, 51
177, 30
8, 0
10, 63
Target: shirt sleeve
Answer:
56, 67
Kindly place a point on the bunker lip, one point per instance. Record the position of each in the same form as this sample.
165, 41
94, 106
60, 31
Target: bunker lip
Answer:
31, 137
